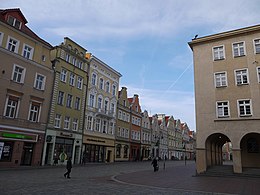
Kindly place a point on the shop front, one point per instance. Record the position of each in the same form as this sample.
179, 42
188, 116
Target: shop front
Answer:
18, 148
96, 149
59, 146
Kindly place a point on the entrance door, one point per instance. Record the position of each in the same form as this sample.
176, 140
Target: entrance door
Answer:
27, 154
109, 155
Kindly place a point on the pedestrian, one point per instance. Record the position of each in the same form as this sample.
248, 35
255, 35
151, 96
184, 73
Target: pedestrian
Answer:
69, 167
155, 165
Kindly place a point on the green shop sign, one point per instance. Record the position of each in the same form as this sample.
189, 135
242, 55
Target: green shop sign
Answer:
17, 136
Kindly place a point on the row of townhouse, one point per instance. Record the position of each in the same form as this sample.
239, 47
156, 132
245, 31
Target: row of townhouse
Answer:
61, 102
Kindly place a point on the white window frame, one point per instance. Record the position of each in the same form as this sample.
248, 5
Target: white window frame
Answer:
114, 90
72, 79
89, 123
75, 124
60, 100
69, 101
97, 124
67, 57
101, 83
245, 106
222, 77
237, 46
79, 82
91, 100
63, 75
66, 122
93, 79
256, 43
39, 84
240, 73
12, 47
107, 86
258, 73
18, 74
34, 113
77, 103
27, 53
1, 38
217, 50
15, 107
14, 22
100, 102
224, 105
57, 121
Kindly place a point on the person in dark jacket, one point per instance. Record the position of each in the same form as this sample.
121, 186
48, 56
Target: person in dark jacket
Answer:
69, 167
155, 165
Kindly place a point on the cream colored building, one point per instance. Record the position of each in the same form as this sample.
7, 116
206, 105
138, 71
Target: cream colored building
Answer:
227, 97
100, 118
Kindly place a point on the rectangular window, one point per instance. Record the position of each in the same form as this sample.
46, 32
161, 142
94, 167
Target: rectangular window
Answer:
18, 74
104, 126
80, 82
220, 79
258, 73
75, 124
218, 53
257, 45
244, 107
91, 100
34, 112
238, 49
1, 38
67, 58
79, 64
11, 107
39, 82
89, 123
60, 98
101, 83
98, 124
57, 121
222, 109
119, 114
72, 79
69, 101
67, 122
99, 103
74, 61
63, 75
106, 105
93, 79
77, 103
107, 87
12, 45
241, 77
27, 51
14, 22
114, 90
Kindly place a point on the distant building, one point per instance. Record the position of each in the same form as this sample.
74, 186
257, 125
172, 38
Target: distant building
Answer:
26, 80
146, 134
227, 98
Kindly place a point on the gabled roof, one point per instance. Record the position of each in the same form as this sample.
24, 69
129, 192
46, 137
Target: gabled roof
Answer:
24, 29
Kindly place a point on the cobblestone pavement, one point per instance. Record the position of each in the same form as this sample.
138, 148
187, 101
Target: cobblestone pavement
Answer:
122, 178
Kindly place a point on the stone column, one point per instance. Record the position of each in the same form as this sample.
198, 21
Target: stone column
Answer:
201, 160
237, 164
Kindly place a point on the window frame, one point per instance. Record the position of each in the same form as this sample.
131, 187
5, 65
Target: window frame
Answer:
221, 79
32, 112
239, 52
15, 99
63, 75
57, 120
36, 86
1, 38
22, 75
80, 82
244, 105
218, 52
75, 124
72, 79
60, 99
10, 47
94, 79
69, 100
241, 76
223, 109
66, 123
26, 52
258, 73
255, 45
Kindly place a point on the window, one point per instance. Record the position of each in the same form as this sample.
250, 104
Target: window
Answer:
79, 83
18, 74
220, 79
93, 79
79, 64
125, 151
118, 151
69, 101
14, 22
98, 124
124, 103
257, 45
89, 123
218, 53
99, 103
244, 107
74, 61
1, 38
67, 122
222, 109
60, 98
72, 79
104, 126
101, 83
238, 49
63, 75
75, 124
34, 113
107, 86
12, 45
27, 51
114, 90
91, 100
39, 82
258, 73
112, 108
57, 121
119, 114
77, 103
111, 128
241, 77
11, 106
67, 58
43, 58
106, 105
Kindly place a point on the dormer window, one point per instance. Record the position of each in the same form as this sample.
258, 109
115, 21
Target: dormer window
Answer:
14, 22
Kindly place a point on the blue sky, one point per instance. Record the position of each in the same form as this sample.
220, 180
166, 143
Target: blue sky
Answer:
144, 40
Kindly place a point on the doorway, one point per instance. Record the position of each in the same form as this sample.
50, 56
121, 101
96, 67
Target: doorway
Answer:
27, 154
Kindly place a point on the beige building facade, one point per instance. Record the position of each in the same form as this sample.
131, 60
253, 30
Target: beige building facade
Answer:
227, 97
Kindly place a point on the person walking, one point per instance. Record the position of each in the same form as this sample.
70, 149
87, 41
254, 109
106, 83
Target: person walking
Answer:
155, 165
69, 167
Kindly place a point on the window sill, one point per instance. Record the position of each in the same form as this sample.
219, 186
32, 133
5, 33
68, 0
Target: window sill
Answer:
219, 59
239, 56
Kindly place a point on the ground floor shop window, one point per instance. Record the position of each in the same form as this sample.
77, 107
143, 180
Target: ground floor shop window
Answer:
6, 150
63, 149
95, 153
125, 151
118, 151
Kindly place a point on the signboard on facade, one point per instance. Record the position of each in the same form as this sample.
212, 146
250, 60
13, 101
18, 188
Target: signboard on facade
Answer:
12, 135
